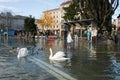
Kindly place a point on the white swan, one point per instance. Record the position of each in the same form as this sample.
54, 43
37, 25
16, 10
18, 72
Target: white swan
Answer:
22, 52
59, 56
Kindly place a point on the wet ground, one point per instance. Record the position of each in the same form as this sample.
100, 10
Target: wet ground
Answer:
89, 61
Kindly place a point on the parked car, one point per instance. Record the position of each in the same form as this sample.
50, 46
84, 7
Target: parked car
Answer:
52, 36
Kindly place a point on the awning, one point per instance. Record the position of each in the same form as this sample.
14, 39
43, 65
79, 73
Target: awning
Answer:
82, 22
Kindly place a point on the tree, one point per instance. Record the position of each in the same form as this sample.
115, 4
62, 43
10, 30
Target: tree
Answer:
47, 20
100, 10
118, 16
30, 25
70, 12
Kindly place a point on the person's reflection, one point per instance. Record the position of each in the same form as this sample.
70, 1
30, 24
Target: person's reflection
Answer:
76, 39
92, 54
115, 66
110, 45
69, 54
89, 45
65, 45
76, 44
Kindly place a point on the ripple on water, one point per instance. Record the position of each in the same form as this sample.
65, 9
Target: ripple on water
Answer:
3, 76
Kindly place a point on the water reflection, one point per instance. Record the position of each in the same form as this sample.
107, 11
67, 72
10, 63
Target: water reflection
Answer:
76, 44
69, 53
22, 61
87, 60
115, 65
61, 64
92, 51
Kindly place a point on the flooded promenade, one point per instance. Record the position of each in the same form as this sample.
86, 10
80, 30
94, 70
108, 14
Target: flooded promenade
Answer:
88, 61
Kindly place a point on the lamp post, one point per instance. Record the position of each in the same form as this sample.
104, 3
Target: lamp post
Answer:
7, 32
1, 34
6, 25
80, 19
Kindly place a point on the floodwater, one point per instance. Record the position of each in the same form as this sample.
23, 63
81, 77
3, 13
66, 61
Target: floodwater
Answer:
88, 61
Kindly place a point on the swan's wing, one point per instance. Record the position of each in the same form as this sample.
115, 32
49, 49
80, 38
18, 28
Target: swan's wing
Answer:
23, 52
59, 54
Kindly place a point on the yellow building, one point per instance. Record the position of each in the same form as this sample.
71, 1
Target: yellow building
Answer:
57, 14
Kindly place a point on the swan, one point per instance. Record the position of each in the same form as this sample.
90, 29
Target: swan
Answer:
12, 50
59, 56
22, 52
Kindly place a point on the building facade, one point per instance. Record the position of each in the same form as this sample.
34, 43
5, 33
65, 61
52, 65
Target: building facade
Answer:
8, 21
116, 22
18, 23
57, 14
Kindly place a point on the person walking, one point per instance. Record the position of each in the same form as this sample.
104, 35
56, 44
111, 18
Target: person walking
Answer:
69, 40
118, 36
94, 35
113, 34
88, 34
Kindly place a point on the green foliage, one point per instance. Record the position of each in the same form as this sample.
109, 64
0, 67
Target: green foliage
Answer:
100, 10
70, 12
30, 24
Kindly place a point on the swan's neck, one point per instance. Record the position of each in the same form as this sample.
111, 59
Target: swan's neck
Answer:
51, 54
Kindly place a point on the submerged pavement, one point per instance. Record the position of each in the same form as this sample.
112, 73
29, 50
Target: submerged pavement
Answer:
89, 61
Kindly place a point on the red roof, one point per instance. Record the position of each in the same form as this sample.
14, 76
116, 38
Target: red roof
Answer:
67, 2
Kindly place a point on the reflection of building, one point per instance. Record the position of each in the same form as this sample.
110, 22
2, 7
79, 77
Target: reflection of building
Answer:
18, 22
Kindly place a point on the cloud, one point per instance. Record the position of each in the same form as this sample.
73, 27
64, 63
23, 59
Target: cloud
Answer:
46, 2
10, 9
5, 8
52, 4
9, 0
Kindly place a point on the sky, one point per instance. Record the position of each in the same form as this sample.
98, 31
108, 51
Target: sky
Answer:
29, 7
34, 7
